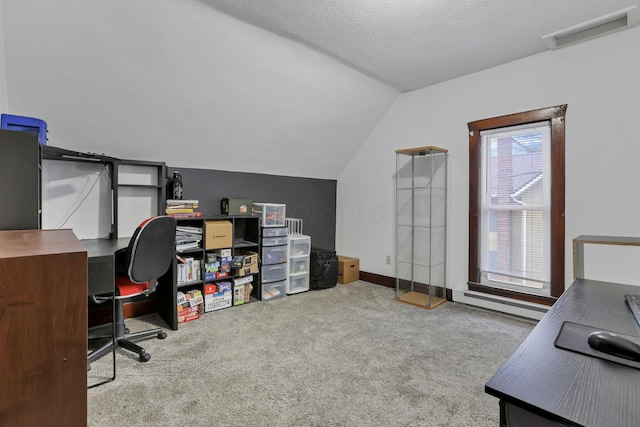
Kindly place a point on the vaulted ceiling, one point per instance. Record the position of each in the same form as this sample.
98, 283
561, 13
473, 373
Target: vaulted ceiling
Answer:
288, 87
411, 44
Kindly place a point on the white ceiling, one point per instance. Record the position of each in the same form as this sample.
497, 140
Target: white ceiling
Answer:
411, 44
283, 87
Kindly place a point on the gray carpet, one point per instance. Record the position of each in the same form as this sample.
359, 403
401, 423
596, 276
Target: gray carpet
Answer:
346, 356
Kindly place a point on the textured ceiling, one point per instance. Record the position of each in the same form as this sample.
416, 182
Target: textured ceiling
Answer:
411, 44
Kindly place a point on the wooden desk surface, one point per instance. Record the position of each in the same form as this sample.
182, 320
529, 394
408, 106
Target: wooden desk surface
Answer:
20, 243
567, 386
97, 248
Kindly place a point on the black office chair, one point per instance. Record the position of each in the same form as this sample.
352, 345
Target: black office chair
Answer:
138, 266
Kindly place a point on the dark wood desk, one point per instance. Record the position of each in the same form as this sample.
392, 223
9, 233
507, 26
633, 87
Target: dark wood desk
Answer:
543, 385
43, 328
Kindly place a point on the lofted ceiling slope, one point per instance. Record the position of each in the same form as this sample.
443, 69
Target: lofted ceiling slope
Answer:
286, 87
411, 44
182, 83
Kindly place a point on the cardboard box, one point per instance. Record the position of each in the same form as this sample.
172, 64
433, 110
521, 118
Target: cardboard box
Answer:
348, 269
238, 294
249, 264
248, 288
217, 296
230, 206
244, 271
242, 290
217, 301
194, 297
223, 254
242, 280
249, 257
218, 234
188, 314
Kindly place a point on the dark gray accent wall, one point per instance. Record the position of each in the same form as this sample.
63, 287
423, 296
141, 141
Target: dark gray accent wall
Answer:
312, 200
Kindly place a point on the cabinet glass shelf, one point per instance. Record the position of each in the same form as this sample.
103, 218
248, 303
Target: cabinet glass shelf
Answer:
421, 199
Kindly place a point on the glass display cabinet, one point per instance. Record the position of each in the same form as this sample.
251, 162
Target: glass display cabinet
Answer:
421, 217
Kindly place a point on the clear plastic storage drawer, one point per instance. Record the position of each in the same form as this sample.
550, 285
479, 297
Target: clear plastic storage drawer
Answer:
300, 265
299, 246
274, 241
275, 232
298, 284
272, 214
274, 255
274, 273
273, 290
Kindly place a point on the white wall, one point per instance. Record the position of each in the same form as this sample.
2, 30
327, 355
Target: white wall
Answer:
4, 101
599, 82
179, 82
77, 195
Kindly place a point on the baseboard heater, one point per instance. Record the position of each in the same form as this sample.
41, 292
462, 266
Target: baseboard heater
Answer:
502, 304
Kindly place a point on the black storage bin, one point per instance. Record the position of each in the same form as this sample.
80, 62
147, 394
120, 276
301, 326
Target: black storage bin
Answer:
324, 269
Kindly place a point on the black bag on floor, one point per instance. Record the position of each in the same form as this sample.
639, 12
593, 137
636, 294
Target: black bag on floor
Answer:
324, 269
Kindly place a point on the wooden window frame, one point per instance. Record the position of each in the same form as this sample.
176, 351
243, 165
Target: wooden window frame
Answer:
556, 116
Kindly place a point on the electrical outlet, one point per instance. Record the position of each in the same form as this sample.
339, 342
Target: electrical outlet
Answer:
389, 259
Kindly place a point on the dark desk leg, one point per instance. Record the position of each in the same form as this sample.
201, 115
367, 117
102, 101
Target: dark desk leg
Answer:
503, 418
513, 415
112, 344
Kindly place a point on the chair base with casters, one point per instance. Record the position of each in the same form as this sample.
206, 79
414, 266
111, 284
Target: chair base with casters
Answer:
124, 339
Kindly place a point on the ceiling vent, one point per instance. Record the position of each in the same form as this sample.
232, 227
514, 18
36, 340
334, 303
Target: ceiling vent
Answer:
616, 21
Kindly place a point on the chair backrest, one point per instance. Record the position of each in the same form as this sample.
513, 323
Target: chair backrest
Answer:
151, 249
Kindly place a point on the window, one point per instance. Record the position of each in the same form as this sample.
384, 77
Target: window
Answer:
516, 205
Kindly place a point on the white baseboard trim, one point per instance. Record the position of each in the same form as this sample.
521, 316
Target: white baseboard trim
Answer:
525, 309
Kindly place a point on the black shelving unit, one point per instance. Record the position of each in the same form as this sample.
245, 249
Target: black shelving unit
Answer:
151, 182
245, 236
150, 185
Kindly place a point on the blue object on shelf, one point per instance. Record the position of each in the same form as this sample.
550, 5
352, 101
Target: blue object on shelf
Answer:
25, 124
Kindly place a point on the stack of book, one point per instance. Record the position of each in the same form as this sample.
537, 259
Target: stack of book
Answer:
188, 237
182, 208
188, 269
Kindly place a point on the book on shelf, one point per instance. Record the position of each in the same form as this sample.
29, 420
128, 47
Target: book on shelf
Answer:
178, 210
181, 201
186, 245
188, 229
185, 215
189, 269
182, 238
182, 204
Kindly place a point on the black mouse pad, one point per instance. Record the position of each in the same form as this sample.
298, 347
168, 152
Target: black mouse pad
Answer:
573, 337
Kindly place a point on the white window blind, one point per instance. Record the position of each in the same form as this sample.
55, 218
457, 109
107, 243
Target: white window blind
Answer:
515, 200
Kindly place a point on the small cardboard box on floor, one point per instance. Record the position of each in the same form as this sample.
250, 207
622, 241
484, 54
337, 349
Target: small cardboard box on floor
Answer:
348, 269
